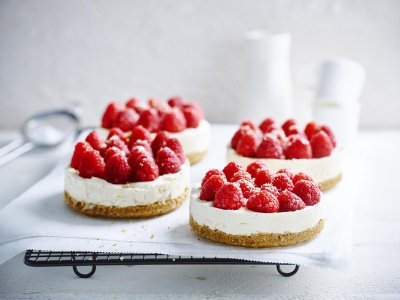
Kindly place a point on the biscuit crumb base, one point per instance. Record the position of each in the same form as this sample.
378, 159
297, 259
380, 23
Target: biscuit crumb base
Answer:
196, 157
330, 183
259, 240
139, 211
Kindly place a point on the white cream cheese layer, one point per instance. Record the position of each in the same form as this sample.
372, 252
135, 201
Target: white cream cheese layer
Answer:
320, 169
98, 191
247, 222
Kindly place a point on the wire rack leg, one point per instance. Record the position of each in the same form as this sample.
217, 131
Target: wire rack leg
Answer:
287, 274
82, 275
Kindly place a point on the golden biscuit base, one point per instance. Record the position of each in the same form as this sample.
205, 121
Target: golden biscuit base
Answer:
330, 183
196, 157
259, 240
139, 211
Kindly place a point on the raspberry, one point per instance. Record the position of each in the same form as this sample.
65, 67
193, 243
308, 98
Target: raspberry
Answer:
269, 148
248, 144
308, 191
117, 169
270, 188
268, 125
159, 141
288, 123
96, 141
110, 152
139, 133
192, 116
175, 145
264, 202
242, 131
329, 132
229, 196
110, 114
211, 186
126, 119
286, 171
176, 101
115, 141
247, 187
136, 153
254, 167
282, 182
167, 161
301, 176
174, 121
279, 135
118, 132
321, 145
311, 129
80, 149
194, 106
240, 175
92, 164
263, 176
230, 170
289, 201
250, 124
144, 169
297, 147
144, 143
132, 103
158, 105
211, 173
292, 130
150, 120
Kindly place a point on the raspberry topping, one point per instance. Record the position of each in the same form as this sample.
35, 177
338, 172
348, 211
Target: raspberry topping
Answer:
247, 187
161, 106
176, 101
132, 103
139, 133
288, 123
254, 167
145, 169
192, 116
270, 188
240, 175
175, 145
174, 121
110, 152
282, 182
248, 144
263, 176
229, 197
117, 170
143, 143
329, 132
118, 132
150, 120
115, 141
321, 145
301, 176
270, 148
289, 201
136, 153
211, 186
308, 191
126, 119
91, 164
230, 170
292, 130
250, 124
167, 161
110, 114
80, 148
311, 129
297, 147
211, 173
286, 171
268, 125
96, 141
242, 131
264, 202
159, 141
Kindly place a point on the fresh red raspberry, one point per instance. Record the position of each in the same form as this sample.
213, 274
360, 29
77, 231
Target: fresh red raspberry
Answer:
292, 130
159, 105
248, 144
110, 152
115, 141
132, 102
211, 186
118, 132
289, 201
321, 145
144, 169
175, 145
107, 121
250, 124
308, 191
263, 176
139, 133
279, 135
297, 147
117, 169
229, 196
192, 116
92, 164
270, 148
167, 161
329, 132
230, 170
288, 123
126, 119
150, 120
80, 149
311, 129
176, 101
96, 141
195, 106
174, 121
211, 173
242, 131
247, 187
254, 167
264, 202
240, 175
159, 141
286, 171
136, 153
143, 143
268, 125
301, 176
282, 182
269, 187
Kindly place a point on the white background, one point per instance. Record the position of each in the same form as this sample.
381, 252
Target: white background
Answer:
95, 51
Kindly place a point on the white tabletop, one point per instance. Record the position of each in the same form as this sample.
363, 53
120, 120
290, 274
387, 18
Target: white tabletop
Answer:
374, 271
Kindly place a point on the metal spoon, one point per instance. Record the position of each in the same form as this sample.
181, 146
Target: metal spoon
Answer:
43, 130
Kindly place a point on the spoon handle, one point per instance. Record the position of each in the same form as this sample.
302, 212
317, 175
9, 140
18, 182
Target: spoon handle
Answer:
11, 146
16, 153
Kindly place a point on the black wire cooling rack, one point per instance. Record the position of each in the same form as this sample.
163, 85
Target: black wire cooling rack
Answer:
40, 258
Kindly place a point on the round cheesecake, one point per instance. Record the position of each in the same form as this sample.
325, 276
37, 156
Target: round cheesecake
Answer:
97, 197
